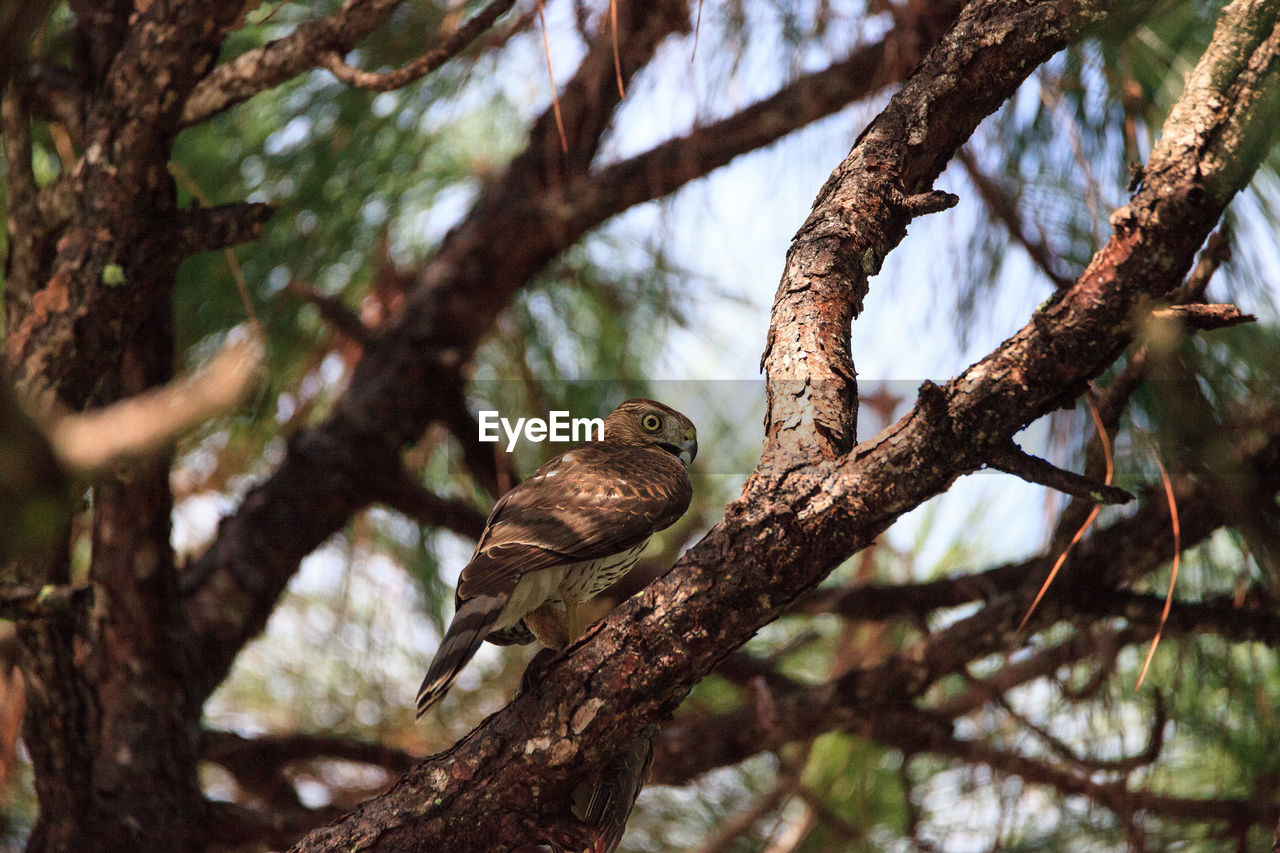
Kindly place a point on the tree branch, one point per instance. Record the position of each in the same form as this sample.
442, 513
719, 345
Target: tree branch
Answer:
811, 390
923, 736
1005, 209
1204, 317
276, 61
454, 43
335, 311
525, 221
426, 507
93, 442
204, 229
244, 754
1013, 460
1091, 584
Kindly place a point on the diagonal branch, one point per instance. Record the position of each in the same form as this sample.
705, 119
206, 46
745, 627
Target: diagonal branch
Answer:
857, 218
1005, 208
1012, 459
455, 43
276, 61
426, 507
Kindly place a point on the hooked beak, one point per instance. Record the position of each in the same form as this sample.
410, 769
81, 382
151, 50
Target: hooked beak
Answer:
688, 449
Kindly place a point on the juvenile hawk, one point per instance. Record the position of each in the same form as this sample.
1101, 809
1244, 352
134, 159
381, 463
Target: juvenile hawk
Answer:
561, 536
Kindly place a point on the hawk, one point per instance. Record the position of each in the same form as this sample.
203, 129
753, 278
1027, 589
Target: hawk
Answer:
571, 529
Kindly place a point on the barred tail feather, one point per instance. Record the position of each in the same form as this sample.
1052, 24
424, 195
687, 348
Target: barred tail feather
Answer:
470, 625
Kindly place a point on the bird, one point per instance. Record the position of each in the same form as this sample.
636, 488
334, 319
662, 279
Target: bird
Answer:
571, 529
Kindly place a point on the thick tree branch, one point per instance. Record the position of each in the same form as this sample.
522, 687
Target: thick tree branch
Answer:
110, 717
856, 220
668, 166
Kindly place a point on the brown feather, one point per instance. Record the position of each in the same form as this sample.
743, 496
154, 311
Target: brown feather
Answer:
591, 502
586, 513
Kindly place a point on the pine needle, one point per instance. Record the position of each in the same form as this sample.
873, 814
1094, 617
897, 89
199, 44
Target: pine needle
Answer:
555, 93
1088, 522
272, 13
1173, 579
617, 57
697, 28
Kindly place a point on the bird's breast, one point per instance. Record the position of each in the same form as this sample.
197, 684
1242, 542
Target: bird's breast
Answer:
584, 580
579, 581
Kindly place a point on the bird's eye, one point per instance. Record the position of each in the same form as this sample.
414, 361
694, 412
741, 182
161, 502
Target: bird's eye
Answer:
651, 422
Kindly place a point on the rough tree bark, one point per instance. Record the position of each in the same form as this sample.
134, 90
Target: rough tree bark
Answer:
91, 327
815, 499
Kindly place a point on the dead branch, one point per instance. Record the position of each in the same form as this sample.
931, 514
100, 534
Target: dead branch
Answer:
453, 44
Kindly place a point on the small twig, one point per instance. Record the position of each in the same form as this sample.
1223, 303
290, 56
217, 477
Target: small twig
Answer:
253, 215
1011, 459
51, 600
617, 56
333, 310
1088, 522
697, 29
737, 825
92, 441
1124, 764
1004, 208
1204, 317
272, 13
455, 43
922, 204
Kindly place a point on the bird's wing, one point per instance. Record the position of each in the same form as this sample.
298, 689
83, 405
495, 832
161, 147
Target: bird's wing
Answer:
591, 502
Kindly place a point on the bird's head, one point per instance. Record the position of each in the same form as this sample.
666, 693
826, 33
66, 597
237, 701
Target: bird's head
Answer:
648, 423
